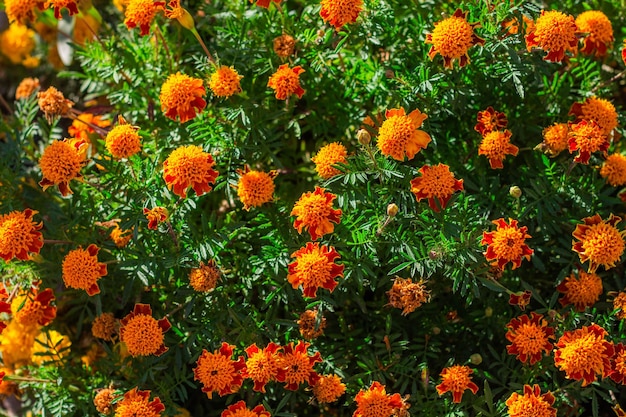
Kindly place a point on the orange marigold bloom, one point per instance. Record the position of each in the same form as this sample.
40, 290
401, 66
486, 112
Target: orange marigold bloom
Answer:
529, 337
309, 326
328, 389
34, 308
141, 13
408, 295
224, 82
583, 353
104, 326
136, 404
53, 103
81, 269
599, 241
189, 166
496, 146
599, 110
437, 184
619, 303
286, 81
284, 45
531, 404
265, 3
22, 11
121, 237
19, 235
313, 268
327, 156
555, 33
456, 379
490, 120
314, 212
175, 11
296, 366
586, 137
142, 333
155, 216
218, 373
375, 402
181, 97
255, 188
239, 409
82, 126
582, 292
63, 4
506, 244
598, 32
340, 12
399, 134
452, 38
624, 52
27, 87
262, 365
103, 400
61, 162
123, 141
618, 365
614, 170
205, 277
555, 139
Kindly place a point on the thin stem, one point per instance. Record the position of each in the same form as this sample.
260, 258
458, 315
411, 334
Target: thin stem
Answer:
57, 242
206, 50
612, 80
73, 114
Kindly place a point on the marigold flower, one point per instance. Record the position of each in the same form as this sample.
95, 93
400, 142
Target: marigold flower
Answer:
61, 162
314, 212
582, 292
329, 155
452, 38
529, 337
496, 146
262, 365
599, 242
123, 141
598, 30
104, 326
121, 237
408, 295
340, 12
33, 308
375, 402
181, 96
619, 303
103, 400
189, 166
141, 13
82, 126
586, 137
624, 52
27, 87
19, 235
17, 43
437, 184
142, 333
490, 120
255, 188
555, 139
205, 277
265, 3
16, 344
50, 347
70, 5
155, 216
328, 389
599, 110
81, 269
295, 366
224, 82
399, 134
218, 373
308, 324
456, 379
284, 45
583, 353
313, 268
53, 103
614, 170
286, 81
531, 404
618, 364
22, 11
555, 33
136, 403
175, 11
506, 244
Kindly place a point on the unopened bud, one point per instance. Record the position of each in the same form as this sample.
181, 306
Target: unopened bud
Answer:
476, 359
186, 20
436, 330
488, 312
515, 191
392, 210
364, 137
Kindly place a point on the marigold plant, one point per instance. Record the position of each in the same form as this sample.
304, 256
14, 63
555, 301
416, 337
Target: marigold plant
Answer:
531, 403
218, 372
437, 184
582, 291
314, 267
286, 81
182, 97
189, 166
295, 365
375, 402
456, 379
496, 146
597, 30
20, 236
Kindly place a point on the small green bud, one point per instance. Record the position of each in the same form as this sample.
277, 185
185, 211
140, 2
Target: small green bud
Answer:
515, 191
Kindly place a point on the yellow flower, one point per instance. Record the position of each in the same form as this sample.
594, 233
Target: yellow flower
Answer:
141, 13
224, 82
437, 184
582, 292
189, 166
27, 87
16, 344
50, 346
255, 188
598, 32
599, 110
181, 97
408, 295
599, 242
103, 400
104, 326
314, 211
81, 269
205, 277
308, 325
496, 146
262, 365
296, 366
452, 38
531, 404
61, 162
327, 156
53, 103
375, 402
313, 268
17, 43
507, 244
399, 135
142, 333
529, 337
136, 404
614, 170
218, 372
123, 141
456, 379
286, 81
555, 33
284, 45
22, 11
63, 4
328, 389
19, 235
555, 139
340, 12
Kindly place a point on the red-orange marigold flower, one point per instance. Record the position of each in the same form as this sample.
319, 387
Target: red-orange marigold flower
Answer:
490, 120
529, 337
399, 135
189, 166
141, 13
61, 162
520, 299
181, 97
205, 277
19, 235
286, 81
618, 364
309, 326
35, 308
175, 11
137, 403
599, 241
555, 33
599, 110
314, 212
255, 188
262, 365
313, 268
239, 409
555, 139
81, 269
584, 353
496, 146
265, 3
619, 303
296, 365
375, 402
436, 183
22, 11
123, 141
506, 244
225, 82
327, 156
328, 389
614, 170
583, 291
531, 404
218, 372
155, 216
452, 38
142, 333
63, 4
598, 32
456, 379
624, 52
586, 137
340, 12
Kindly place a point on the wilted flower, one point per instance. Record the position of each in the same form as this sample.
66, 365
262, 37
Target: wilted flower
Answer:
104, 326
53, 103
284, 45
308, 324
408, 295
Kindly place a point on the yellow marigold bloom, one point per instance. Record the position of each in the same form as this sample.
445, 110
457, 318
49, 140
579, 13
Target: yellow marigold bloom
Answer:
22, 11
205, 277
599, 241
328, 389
555, 139
104, 326
619, 303
141, 13
103, 400
121, 4
255, 188
496, 146
181, 97
284, 45
327, 156
19, 235
63, 4
262, 365
239, 409
142, 333
224, 82
375, 402
27, 87
218, 372
452, 38
586, 137
437, 184
308, 324
599, 110
614, 170
555, 33
582, 292
584, 353
296, 366
61, 162
408, 295
265, 3
531, 404
16, 344
313, 268
598, 32
456, 379
529, 337
53, 103
81, 269
137, 403
155, 216
123, 141
33, 308
17, 43
340, 12
399, 135
50, 346
286, 81
507, 244
490, 120
189, 166
314, 211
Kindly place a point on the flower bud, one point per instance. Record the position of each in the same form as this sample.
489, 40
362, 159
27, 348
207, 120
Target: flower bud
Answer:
488, 312
515, 191
364, 137
436, 330
392, 210
476, 359
186, 20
